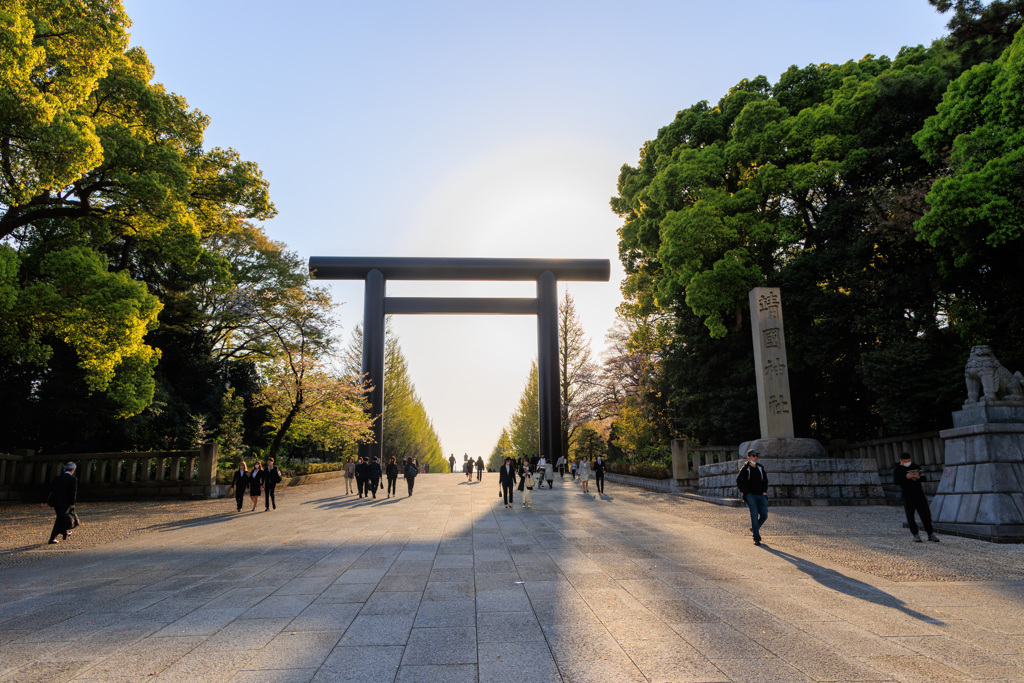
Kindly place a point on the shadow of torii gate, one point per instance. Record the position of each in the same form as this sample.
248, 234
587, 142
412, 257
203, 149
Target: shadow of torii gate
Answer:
375, 272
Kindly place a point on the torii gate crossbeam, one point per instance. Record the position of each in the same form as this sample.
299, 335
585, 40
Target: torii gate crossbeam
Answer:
375, 272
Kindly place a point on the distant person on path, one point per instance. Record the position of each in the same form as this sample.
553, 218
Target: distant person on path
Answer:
361, 475
599, 470
572, 471
467, 469
907, 475
350, 475
752, 482
549, 476
507, 480
451, 461
392, 473
271, 478
255, 484
561, 466
240, 483
373, 475
63, 493
410, 474
583, 472
479, 468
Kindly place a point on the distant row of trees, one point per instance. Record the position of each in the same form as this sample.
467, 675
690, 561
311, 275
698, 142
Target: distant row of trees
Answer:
141, 307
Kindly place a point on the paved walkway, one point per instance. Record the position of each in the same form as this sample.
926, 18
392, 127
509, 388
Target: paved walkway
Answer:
449, 586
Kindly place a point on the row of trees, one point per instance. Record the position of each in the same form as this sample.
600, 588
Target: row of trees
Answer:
408, 430
883, 196
141, 307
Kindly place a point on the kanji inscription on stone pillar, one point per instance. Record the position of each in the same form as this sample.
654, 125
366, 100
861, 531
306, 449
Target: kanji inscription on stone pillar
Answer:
770, 363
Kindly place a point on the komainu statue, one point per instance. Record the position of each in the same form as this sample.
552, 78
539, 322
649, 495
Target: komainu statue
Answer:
987, 380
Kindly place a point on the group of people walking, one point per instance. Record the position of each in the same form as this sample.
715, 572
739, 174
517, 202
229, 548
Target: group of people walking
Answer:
366, 472
261, 480
469, 465
536, 473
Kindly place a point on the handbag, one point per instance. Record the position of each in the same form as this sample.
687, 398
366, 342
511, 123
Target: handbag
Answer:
72, 519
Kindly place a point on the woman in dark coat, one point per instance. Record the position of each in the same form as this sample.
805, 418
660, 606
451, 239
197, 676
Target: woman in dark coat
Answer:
507, 479
240, 483
411, 470
255, 483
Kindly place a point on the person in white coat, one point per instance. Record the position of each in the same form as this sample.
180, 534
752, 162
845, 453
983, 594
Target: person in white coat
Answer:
583, 473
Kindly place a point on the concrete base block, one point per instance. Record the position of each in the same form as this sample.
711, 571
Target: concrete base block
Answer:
815, 481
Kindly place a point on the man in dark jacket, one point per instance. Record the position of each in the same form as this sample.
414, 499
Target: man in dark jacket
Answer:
373, 475
63, 493
411, 470
271, 478
907, 475
361, 475
507, 480
599, 470
752, 482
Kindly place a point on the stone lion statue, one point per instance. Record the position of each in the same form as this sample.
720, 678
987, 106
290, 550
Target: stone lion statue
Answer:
988, 380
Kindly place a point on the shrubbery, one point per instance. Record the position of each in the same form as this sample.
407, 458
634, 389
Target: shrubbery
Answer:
646, 471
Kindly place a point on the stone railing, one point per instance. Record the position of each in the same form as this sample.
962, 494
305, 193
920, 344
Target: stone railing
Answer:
106, 476
926, 449
687, 459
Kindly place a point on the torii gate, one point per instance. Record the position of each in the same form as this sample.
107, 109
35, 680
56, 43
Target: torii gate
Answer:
375, 272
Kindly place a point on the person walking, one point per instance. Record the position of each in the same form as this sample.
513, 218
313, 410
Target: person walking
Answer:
583, 472
62, 497
373, 475
350, 475
524, 470
271, 478
526, 487
599, 470
410, 473
561, 466
255, 484
542, 465
361, 475
752, 481
392, 474
469, 470
240, 483
907, 475
572, 471
479, 468
549, 476
507, 480
451, 461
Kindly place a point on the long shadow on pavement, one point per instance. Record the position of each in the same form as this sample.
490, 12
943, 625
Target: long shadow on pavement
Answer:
841, 583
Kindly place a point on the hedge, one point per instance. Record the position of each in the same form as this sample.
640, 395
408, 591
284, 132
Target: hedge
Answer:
645, 471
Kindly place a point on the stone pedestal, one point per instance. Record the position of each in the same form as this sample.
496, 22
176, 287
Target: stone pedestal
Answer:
801, 481
981, 493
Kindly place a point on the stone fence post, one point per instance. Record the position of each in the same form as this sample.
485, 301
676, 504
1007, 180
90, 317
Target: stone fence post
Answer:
208, 464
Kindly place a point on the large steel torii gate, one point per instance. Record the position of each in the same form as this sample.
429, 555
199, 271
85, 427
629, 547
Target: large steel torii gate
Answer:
375, 272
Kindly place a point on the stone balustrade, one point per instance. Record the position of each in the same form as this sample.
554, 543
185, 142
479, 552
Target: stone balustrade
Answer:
109, 476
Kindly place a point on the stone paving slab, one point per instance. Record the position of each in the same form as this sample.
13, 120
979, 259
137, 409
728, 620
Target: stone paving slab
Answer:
448, 585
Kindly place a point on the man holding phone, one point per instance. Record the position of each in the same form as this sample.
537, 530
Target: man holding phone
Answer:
907, 475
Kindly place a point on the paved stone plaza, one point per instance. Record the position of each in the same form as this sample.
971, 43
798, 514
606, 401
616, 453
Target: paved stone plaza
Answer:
450, 586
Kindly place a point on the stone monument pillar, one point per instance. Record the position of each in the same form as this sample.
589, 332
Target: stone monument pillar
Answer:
981, 493
771, 370
799, 470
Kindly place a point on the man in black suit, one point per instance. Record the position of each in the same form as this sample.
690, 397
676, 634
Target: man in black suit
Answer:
373, 475
63, 492
507, 480
361, 475
271, 478
599, 470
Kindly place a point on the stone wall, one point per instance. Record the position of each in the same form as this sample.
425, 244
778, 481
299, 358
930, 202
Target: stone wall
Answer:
818, 481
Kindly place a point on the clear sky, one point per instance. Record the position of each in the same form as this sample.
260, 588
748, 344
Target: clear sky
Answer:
477, 128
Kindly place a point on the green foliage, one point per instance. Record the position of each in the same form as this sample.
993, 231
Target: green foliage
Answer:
503, 449
231, 432
646, 471
812, 184
524, 425
588, 444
